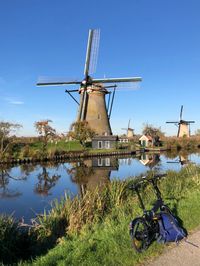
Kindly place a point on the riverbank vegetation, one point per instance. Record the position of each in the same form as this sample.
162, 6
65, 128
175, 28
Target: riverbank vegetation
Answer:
93, 229
33, 148
49, 145
183, 143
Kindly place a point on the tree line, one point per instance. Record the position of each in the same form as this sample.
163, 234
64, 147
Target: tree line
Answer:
79, 131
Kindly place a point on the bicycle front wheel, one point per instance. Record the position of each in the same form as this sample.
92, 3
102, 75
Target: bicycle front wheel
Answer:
139, 234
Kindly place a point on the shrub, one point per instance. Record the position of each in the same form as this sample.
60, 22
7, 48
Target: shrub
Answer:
13, 241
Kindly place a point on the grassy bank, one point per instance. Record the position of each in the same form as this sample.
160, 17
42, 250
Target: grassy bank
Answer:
93, 230
32, 148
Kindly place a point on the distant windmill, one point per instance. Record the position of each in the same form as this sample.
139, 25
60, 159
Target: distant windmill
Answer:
92, 105
129, 131
183, 125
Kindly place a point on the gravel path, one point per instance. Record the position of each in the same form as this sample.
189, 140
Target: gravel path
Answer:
182, 255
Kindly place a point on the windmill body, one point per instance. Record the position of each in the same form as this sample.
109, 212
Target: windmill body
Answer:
130, 133
183, 126
183, 129
95, 112
92, 103
129, 130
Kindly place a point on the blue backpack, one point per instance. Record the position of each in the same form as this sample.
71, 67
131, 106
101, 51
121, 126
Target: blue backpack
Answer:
169, 229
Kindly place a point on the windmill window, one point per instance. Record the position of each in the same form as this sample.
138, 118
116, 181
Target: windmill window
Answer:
107, 162
143, 156
107, 144
100, 145
100, 162
99, 116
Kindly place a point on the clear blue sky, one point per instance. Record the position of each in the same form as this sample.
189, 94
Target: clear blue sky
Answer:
158, 40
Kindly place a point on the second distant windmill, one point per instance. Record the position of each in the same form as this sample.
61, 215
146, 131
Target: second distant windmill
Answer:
183, 125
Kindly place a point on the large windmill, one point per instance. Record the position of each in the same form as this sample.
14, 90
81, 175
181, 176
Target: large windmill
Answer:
92, 104
129, 130
183, 125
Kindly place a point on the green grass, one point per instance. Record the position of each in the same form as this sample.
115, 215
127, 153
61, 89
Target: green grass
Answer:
109, 243
106, 244
59, 146
34, 150
66, 146
97, 231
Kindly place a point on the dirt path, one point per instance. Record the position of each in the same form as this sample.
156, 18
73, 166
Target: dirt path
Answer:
182, 255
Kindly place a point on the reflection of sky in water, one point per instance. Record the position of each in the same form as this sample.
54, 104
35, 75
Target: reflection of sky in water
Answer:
130, 167
19, 196
29, 202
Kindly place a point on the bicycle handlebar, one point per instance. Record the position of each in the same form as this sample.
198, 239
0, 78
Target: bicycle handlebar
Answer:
155, 176
135, 186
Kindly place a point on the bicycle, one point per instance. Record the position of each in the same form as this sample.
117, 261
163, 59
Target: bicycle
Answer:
145, 229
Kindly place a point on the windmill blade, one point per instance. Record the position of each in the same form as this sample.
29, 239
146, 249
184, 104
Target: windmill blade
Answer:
88, 53
94, 51
172, 122
116, 80
181, 113
44, 81
189, 122
128, 86
129, 123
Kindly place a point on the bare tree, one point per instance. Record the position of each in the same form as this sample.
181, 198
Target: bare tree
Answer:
45, 182
154, 132
46, 132
6, 136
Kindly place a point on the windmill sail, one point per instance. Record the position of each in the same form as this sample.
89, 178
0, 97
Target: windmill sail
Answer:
46, 81
181, 113
94, 51
115, 80
88, 53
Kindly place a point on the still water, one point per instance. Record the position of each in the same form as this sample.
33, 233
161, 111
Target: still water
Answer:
27, 190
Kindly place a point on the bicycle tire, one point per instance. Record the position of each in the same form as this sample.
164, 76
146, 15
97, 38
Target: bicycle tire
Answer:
139, 233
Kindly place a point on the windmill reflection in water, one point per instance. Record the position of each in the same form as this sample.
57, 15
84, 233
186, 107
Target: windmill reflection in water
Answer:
92, 173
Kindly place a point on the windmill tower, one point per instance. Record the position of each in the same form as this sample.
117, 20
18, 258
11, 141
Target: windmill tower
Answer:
183, 125
92, 104
129, 131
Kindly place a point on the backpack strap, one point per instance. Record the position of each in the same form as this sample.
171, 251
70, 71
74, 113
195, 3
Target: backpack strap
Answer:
188, 242
163, 233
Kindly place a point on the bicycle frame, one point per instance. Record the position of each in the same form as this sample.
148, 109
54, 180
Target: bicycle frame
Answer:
144, 229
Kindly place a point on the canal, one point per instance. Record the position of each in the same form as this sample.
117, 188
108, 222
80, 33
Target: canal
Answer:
26, 190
